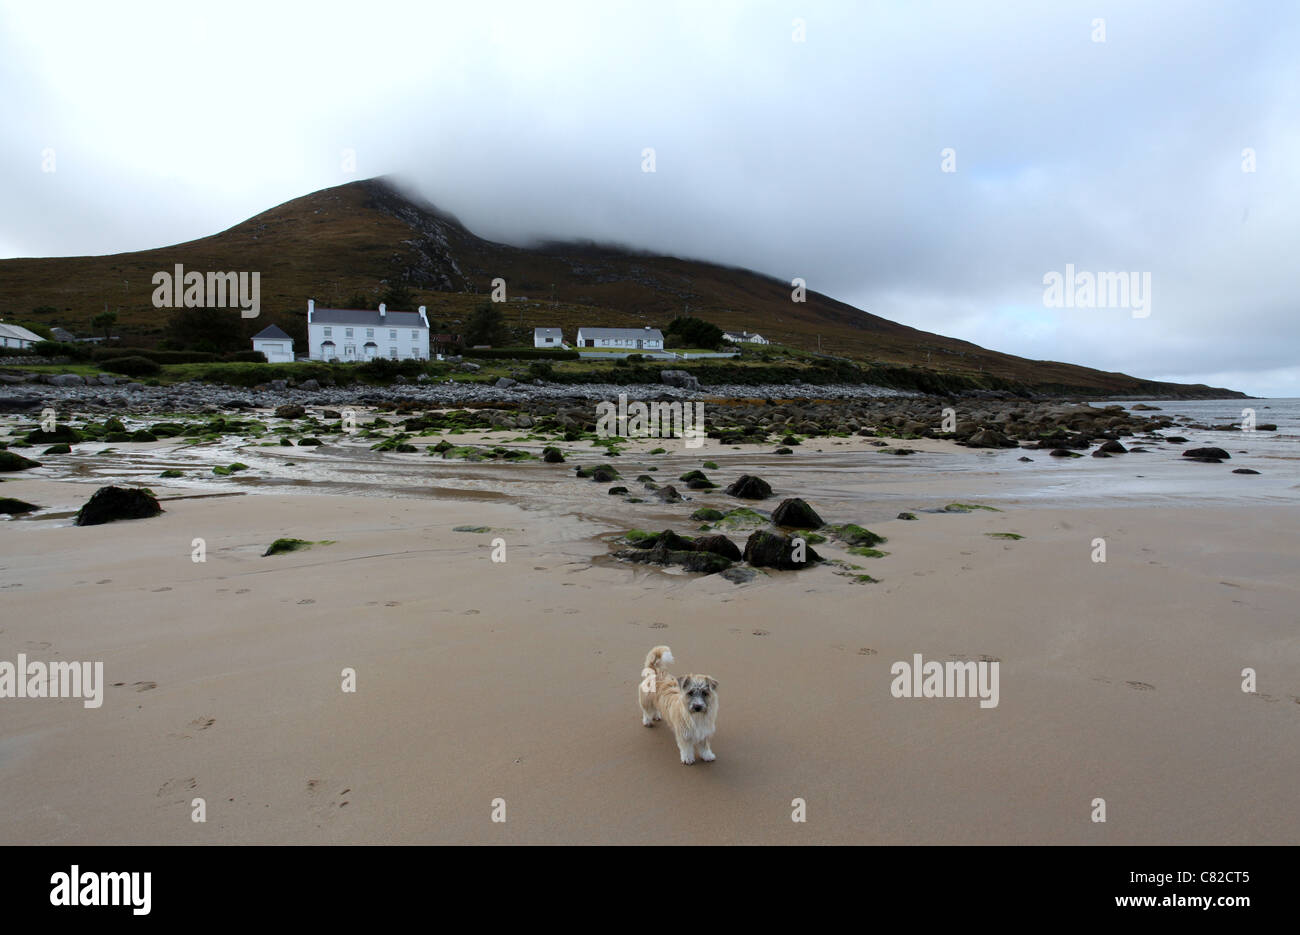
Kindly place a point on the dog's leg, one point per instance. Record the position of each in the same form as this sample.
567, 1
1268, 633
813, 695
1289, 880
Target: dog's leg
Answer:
706, 754
687, 750
648, 713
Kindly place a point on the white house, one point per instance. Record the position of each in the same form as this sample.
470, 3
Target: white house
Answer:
647, 338
745, 337
359, 334
15, 336
274, 344
548, 337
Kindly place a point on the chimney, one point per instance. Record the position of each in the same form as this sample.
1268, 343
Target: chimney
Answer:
383, 310
311, 307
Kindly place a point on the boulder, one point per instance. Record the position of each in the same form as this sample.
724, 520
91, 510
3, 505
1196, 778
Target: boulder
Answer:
67, 379
766, 549
1113, 447
718, 545
505, 383
110, 504
668, 494
16, 462
11, 506
1244, 471
290, 411
796, 514
309, 385
1202, 454
989, 438
680, 379
552, 456
750, 487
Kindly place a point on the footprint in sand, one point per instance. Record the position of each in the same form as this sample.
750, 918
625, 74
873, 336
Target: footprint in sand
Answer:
158, 590
1141, 686
392, 603
105, 581
202, 723
1103, 680
659, 625
466, 613
144, 686
866, 651
762, 632
241, 591
173, 786
306, 600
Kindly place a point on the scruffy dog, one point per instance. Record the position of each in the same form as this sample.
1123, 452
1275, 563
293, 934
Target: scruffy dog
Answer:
688, 703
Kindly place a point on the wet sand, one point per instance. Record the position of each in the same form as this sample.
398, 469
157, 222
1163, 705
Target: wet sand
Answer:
478, 680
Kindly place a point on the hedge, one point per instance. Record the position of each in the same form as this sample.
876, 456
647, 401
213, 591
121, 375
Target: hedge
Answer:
521, 353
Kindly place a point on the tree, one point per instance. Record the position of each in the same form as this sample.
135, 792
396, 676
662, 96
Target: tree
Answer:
485, 326
104, 320
215, 330
397, 296
692, 332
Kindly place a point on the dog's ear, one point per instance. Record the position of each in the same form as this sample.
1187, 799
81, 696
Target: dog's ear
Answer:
713, 684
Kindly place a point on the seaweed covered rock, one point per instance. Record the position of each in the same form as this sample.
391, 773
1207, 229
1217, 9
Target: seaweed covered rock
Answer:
13, 462
796, 514
109, 504
718, 545
290, 411
750, 487
765, 549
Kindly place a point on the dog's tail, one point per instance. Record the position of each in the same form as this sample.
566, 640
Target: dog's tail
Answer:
657, 657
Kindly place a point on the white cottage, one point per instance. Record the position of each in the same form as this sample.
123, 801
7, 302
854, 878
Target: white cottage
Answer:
16, 337
744, 337
360, 334
548, 337
275, 345
647, 338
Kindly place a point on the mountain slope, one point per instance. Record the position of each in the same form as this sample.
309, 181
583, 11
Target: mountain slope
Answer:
354, 238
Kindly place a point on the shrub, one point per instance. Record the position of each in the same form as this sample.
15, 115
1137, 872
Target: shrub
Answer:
61, 349
133, 366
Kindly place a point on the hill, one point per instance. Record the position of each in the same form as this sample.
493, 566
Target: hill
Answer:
362, 237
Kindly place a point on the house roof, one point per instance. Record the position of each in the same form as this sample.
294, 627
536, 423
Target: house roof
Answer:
547, 332
17, 331
623, 334
366, 318
271, 333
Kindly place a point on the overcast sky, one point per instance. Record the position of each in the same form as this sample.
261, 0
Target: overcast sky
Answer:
796, 138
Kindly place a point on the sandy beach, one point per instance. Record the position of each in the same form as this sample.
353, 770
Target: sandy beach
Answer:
479, 680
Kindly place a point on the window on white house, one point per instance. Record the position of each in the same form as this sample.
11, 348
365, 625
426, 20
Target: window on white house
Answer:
392, 334
347, 332
350, 350
415, 335
328, 331
370, 332
392, 352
